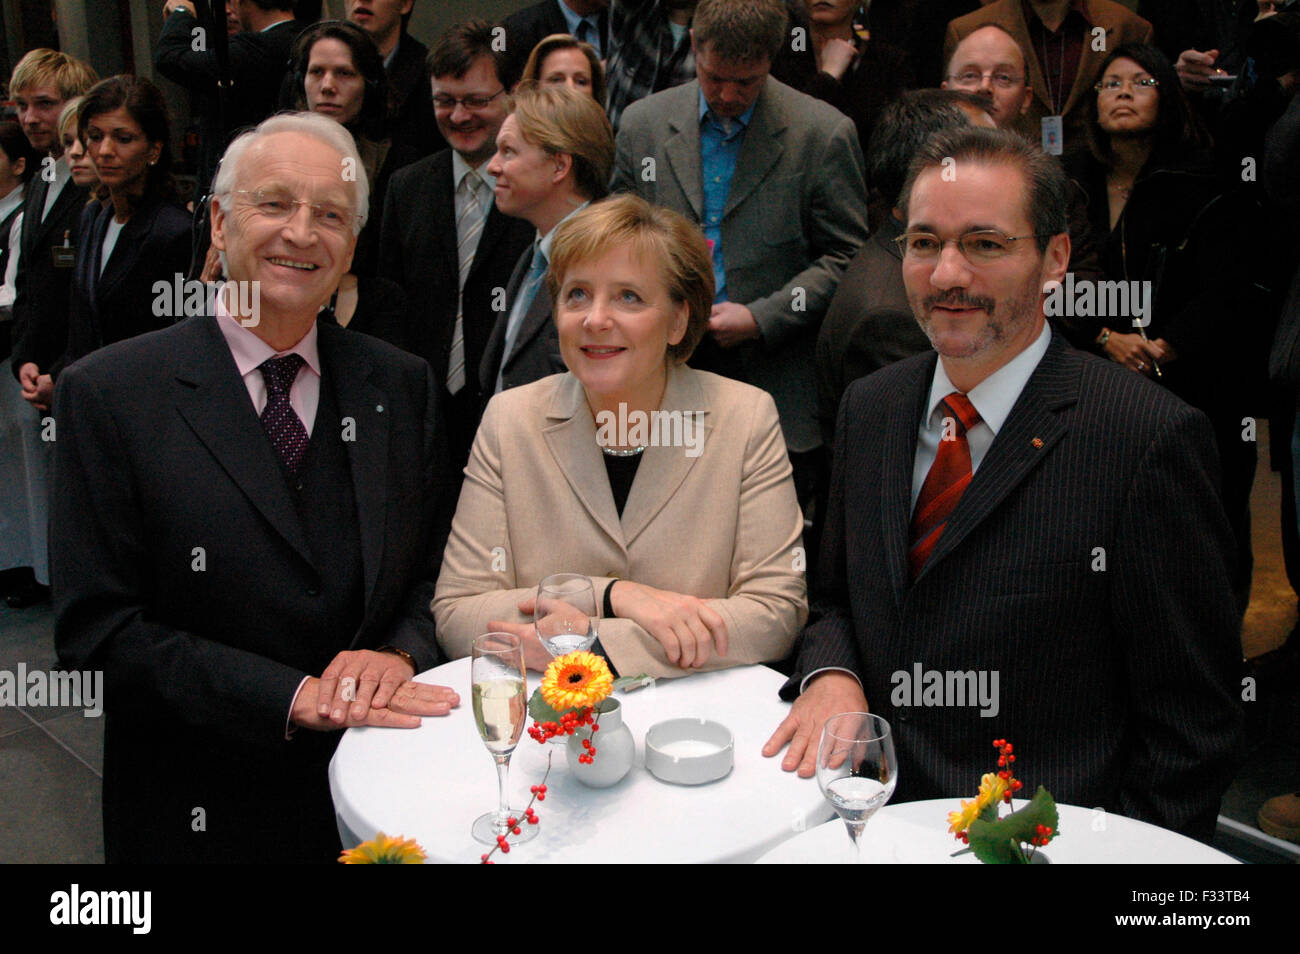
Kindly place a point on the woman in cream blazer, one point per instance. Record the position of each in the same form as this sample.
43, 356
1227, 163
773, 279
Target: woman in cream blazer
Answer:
707, 547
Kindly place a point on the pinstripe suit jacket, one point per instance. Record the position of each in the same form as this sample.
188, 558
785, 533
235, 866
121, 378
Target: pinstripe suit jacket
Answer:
1087, 564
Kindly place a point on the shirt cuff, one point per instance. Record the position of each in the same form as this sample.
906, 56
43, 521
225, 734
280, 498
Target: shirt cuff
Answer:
813, 675
290, 728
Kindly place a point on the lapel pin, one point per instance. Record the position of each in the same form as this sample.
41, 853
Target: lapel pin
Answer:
379, 409
1037, 442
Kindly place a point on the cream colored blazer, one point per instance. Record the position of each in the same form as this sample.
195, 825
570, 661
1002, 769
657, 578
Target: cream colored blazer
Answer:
723, 525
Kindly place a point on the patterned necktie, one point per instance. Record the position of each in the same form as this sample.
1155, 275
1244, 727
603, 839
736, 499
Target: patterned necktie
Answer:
283, 426
468, 228
945, 483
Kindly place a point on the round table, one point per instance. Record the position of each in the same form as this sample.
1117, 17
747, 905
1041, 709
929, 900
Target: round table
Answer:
431, 783
917, 833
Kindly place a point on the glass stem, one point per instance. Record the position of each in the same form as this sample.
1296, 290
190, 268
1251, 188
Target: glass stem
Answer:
855, 836
503, 798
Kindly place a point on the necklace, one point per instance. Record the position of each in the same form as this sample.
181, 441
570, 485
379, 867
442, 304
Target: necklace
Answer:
618, 452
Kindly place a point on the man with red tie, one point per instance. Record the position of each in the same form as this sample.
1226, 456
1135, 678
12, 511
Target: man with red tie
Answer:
249, 514
1020, 542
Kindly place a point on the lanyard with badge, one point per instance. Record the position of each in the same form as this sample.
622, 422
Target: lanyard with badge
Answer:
65, 255
1053, 128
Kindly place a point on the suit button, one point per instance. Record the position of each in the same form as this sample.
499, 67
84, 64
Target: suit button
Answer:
313, 591
298, 486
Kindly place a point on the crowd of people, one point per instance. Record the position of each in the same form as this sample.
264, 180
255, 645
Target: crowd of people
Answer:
866, 258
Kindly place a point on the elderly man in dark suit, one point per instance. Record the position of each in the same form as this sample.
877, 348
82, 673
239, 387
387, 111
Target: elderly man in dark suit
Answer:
1017, 511
774, 178
250, 586
452, 275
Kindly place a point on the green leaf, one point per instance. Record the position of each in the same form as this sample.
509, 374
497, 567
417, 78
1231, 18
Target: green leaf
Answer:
540, 709
998, 842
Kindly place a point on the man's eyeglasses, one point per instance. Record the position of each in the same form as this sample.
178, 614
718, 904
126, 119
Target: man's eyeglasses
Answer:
967, 79
979, 246
1113, 85
280, 206
472, 103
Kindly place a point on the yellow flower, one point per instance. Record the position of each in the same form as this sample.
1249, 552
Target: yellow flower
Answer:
576, 680
991, 791
382, 850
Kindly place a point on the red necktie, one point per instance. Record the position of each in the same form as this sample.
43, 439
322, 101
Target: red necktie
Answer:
945, 483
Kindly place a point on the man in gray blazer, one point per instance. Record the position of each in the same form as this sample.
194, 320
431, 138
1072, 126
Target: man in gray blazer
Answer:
775, 180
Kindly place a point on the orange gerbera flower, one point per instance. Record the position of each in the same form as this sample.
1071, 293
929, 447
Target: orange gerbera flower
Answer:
576, 680
382, 850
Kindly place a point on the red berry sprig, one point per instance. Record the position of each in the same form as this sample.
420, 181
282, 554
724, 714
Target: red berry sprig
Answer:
1006, 756
512, 824
570, 722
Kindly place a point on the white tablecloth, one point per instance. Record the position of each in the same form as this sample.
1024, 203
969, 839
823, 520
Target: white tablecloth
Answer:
431, 783
917, 833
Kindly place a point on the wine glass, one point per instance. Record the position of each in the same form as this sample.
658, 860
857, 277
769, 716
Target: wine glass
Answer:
565, 613
856, 769
500, 710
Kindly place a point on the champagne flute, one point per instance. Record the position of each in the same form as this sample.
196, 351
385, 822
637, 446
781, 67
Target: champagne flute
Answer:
856, 769
500, 710
565, 613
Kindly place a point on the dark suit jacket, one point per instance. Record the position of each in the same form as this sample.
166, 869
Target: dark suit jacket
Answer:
1118, 680
411, 124
258, 63
537, 345
1121, 26
868, 325
161, 453
42, 303
527, 27
417, 249
795, 215
154, 246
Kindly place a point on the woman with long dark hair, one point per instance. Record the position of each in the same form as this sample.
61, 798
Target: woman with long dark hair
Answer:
138, 234
1175, 237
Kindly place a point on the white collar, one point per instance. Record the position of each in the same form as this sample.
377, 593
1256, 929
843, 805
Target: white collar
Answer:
996, 395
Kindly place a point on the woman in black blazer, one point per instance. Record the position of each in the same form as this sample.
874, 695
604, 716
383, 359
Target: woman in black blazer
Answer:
139, 235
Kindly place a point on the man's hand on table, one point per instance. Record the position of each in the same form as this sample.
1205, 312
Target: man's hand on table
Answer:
369, 688
825, 696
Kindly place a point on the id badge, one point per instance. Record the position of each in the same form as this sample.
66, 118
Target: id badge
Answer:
1053, 135
65, 255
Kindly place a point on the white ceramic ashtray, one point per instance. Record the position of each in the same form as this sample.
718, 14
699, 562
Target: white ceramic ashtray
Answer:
689, 751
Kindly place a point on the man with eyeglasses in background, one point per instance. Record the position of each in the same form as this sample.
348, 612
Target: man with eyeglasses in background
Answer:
991, 64
444, 240
1013, 509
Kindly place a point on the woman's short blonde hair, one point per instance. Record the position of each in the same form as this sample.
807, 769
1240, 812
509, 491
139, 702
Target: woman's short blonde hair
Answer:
657, 235
563, 41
